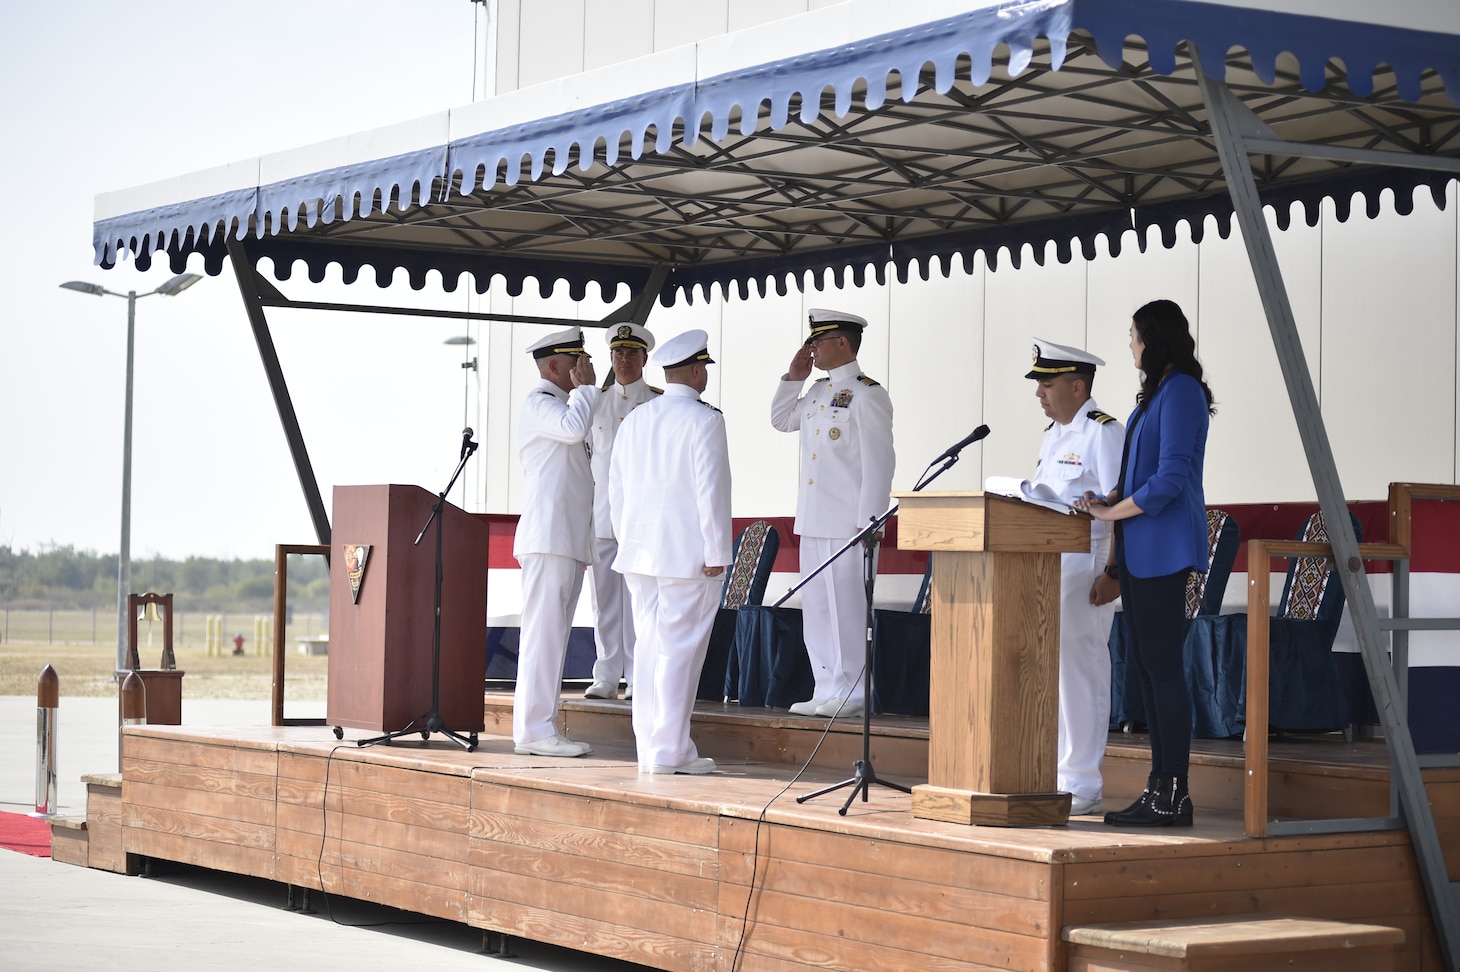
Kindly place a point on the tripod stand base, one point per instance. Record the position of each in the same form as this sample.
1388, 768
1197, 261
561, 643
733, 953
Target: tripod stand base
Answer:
430, 722
863, 776
990, 809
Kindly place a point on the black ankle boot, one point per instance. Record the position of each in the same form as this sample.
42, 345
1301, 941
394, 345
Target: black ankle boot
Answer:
1169, 806
1147, 795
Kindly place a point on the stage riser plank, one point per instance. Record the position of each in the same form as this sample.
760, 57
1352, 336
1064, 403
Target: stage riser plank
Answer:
966, 870
610, 876
498, 891
781, 949
423, 899
225, 783
597, 829
104, 828
234, 859
601, 938
899, 897
257, 760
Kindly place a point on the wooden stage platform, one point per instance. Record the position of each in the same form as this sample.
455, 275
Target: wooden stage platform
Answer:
727, 871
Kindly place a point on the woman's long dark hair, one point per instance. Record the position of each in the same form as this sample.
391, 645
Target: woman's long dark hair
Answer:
1163, 329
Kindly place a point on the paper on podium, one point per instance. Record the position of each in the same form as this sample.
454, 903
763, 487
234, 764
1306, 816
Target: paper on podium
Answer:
1022, 489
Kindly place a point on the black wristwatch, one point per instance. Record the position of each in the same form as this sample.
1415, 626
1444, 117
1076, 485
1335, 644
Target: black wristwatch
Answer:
1112, 571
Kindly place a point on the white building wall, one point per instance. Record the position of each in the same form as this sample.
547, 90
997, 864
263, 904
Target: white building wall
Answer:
1375, 299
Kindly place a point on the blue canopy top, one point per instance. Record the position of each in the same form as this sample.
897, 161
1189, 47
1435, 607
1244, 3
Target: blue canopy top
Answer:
901, 145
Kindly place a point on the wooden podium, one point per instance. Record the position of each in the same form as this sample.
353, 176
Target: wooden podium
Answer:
993, 707
380, 643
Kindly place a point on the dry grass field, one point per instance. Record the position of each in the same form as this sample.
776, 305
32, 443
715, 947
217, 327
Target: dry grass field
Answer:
87, 669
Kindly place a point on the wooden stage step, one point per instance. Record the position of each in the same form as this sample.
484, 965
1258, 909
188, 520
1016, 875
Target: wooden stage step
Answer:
683, 873
1311, 777
1237, 943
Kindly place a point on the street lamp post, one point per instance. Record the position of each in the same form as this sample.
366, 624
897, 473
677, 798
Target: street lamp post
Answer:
171, 288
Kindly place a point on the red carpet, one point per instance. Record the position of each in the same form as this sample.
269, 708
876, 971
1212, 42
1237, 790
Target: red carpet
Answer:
29, 835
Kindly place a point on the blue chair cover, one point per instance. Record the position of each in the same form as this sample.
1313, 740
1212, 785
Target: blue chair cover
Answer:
1306, 691
775, 670
902, 655
901, 660
1204, 597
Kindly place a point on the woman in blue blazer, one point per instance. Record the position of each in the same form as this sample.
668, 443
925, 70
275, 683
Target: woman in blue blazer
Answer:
1159, 510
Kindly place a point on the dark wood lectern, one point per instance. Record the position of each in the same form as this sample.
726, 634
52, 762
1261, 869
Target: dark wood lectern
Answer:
993, 710
380, 644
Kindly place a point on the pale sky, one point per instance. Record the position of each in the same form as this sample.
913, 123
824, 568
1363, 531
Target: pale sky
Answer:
99, 96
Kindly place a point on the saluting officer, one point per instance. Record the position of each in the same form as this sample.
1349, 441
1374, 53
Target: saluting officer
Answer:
1080, 453
613, 622
554, 541
847, 459
669, 497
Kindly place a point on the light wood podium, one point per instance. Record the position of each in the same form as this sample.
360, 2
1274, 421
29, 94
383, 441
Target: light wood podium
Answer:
994, 686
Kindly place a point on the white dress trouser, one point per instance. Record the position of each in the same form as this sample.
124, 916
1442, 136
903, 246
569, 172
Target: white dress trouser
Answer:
613, 621
550, 588
673, 617
1084, 703
834, 619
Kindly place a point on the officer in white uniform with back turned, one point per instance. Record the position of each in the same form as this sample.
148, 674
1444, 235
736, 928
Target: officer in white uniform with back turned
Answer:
845, 425
554, 542
1080, 453
669, 498
613, 622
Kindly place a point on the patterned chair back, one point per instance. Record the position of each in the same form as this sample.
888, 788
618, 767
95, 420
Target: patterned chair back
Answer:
1221, 551
924, 602
1307, 594
755, 552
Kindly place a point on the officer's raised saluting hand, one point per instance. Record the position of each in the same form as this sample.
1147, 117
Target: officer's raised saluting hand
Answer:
583, 371
800, 368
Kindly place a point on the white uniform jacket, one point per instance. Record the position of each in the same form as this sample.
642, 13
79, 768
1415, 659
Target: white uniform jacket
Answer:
557, 505
1084, 455
669, 487
614, 403
845, 421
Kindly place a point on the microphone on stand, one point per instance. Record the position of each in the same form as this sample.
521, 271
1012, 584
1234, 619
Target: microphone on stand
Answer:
467, 445
953, 450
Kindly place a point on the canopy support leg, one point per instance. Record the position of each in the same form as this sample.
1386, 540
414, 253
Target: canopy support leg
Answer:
1226, 119
248, 289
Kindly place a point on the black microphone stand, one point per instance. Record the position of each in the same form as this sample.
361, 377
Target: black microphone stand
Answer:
431, 720
863, 773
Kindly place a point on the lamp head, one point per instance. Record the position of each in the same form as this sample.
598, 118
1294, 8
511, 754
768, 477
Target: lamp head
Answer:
81, 286
177, 284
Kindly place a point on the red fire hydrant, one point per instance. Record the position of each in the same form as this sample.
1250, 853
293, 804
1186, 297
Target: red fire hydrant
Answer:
238, 643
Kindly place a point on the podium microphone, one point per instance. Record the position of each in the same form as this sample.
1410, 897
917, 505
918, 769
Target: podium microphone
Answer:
969, 439
467, 445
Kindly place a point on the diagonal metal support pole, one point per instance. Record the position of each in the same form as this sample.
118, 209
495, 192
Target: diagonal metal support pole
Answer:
637, 308
253, 289
1228, 120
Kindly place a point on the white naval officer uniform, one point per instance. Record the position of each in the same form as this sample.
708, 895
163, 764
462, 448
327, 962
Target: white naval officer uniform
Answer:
613, 621
554, 544
847, 459
1083, 456
669, 497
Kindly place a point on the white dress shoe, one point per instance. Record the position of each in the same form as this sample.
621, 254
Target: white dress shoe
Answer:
695, 767
1085, 808
601, 690
840, 709
554, 746
808, 707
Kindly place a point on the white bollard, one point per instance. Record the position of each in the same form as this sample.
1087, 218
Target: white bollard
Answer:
47, 698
